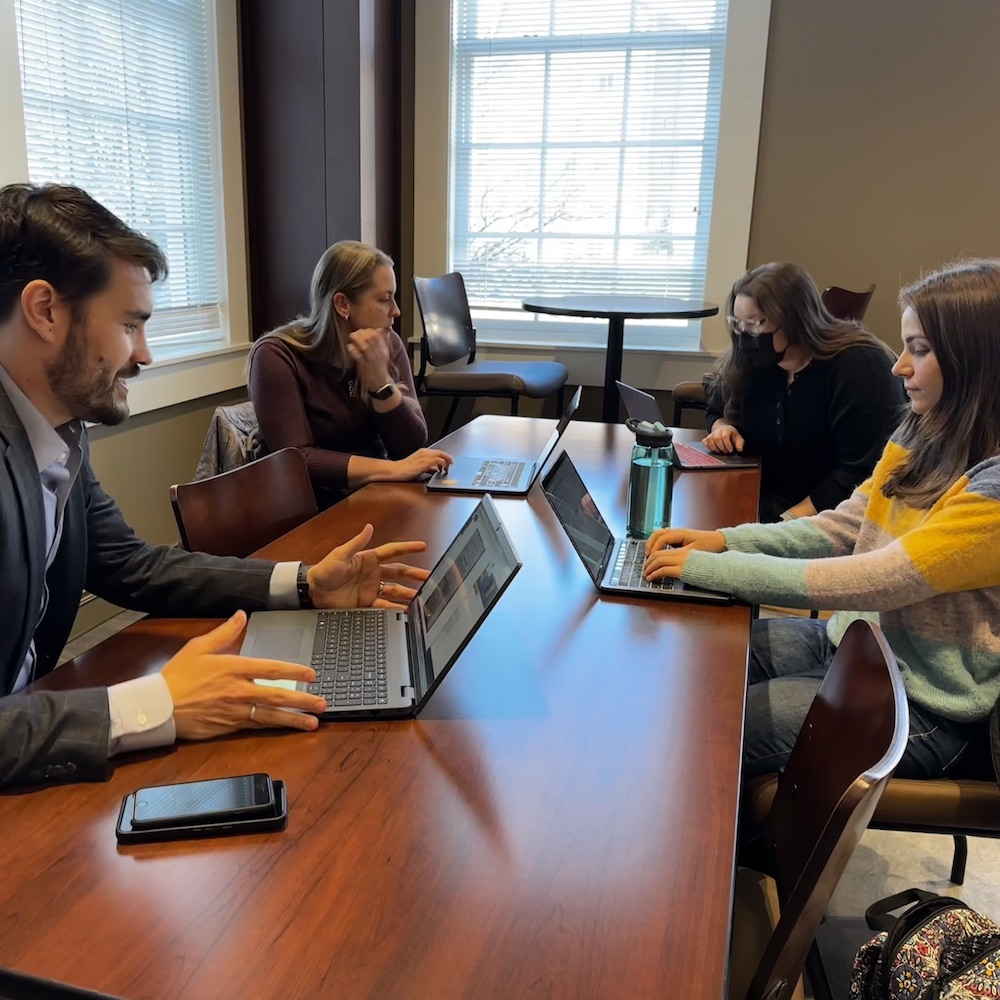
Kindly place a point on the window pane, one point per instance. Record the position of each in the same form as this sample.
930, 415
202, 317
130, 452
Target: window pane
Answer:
584, 141
119, 99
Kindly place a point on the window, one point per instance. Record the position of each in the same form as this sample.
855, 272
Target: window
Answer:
120, 98
583, 145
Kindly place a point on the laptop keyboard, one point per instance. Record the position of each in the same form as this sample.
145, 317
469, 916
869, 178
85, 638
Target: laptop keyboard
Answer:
349, 658
695, 456
499, 473
628, 568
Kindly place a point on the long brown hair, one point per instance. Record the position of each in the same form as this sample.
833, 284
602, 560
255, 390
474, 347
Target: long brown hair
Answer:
958, 308
786, 295
348, 267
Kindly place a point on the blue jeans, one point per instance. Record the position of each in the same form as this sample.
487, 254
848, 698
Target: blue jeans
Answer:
788, 659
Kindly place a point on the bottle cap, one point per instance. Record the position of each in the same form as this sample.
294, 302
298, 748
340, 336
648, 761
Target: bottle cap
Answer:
650, 435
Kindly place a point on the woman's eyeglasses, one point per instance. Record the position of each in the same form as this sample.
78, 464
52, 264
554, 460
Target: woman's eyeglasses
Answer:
755, 327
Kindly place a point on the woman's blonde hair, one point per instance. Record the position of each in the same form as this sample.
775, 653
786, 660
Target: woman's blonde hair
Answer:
348, 267
958, 308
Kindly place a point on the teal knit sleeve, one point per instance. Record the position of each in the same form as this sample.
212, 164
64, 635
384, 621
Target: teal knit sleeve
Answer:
752, 577
800, 539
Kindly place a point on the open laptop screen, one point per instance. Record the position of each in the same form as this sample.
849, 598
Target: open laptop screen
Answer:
462, 588
572, 504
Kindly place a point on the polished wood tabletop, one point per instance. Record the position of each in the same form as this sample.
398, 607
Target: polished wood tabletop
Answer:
558, 822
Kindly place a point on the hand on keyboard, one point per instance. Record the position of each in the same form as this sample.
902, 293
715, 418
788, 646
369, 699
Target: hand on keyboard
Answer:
667, 550
723, 438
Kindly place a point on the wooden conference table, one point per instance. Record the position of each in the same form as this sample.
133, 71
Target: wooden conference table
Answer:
559, 822
616, 309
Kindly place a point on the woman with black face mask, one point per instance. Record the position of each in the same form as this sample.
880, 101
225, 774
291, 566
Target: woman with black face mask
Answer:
811, 395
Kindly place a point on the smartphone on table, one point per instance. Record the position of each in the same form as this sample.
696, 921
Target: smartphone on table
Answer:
247, 803
210, 801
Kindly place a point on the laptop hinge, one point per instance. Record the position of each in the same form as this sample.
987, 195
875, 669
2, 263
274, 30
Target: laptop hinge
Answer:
415, 645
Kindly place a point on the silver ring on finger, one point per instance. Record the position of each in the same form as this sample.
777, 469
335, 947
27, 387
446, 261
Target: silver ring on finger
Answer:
253, 711
381, 587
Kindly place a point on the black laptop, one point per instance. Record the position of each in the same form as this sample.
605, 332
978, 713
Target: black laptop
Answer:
614, 564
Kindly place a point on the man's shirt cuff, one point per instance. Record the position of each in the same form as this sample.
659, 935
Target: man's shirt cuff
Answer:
284, 593
142, 715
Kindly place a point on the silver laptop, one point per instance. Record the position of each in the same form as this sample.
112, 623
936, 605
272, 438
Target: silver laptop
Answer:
501, 475
691, 454
381, 662
614, 564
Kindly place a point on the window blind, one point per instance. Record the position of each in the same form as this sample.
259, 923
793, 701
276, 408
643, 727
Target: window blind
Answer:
120, 99
583, 146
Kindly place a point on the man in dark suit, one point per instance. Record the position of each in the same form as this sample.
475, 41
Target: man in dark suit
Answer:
75, 294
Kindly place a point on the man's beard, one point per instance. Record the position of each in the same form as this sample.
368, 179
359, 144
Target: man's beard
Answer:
87, 387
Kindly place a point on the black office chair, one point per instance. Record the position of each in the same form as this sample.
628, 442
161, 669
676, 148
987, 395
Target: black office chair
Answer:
449, 337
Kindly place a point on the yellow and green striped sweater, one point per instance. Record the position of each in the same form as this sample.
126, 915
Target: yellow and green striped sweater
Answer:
929, 577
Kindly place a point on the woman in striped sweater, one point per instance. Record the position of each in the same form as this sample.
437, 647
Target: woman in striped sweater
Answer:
916, 548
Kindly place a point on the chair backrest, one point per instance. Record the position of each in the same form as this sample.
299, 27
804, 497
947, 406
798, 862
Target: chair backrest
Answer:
235, 513
851, 741
845, 304
444, 310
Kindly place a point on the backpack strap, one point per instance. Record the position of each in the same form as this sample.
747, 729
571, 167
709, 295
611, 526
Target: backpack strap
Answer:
878, 915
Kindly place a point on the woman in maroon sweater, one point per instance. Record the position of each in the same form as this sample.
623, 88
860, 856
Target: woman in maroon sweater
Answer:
337, 384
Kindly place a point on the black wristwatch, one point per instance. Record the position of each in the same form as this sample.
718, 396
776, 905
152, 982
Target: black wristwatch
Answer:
385, 391
302, 585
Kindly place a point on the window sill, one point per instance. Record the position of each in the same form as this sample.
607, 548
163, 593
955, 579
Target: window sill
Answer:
178, 380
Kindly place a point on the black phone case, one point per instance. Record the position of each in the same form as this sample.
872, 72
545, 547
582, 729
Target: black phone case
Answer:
255, 824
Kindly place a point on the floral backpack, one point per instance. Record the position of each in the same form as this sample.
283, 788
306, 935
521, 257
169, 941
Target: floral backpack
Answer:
937, 949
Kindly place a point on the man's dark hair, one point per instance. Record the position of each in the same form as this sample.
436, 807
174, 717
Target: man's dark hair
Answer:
61, 235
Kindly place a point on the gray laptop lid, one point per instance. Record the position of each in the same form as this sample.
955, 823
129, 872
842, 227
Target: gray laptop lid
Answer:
582, 521
560, 429
639, 404
458, 595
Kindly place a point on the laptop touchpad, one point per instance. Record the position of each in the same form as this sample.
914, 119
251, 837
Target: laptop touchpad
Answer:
277, 644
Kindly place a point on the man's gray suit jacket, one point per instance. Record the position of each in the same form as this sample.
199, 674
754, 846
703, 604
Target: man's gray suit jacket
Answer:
51, 736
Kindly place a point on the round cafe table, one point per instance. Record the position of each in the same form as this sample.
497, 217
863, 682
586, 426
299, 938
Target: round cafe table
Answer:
616, 309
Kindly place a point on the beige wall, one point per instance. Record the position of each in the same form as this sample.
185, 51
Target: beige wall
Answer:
139, 461
879, 148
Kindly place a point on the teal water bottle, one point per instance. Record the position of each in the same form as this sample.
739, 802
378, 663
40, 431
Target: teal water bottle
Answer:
650, 478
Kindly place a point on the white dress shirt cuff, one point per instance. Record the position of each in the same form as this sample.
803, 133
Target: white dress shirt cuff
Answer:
284, 593
142, 715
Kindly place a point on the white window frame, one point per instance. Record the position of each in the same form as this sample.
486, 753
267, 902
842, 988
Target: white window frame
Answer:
178, 379
729, 231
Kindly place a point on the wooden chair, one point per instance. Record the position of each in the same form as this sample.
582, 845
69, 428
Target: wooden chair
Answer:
449, 338
237, 512
840, 302
814, 814
845, 304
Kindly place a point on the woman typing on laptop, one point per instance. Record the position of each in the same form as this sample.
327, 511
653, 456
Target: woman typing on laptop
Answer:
337, 384
913, 548
810, 395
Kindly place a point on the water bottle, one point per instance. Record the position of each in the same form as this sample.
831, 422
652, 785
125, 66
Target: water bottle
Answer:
650, 479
